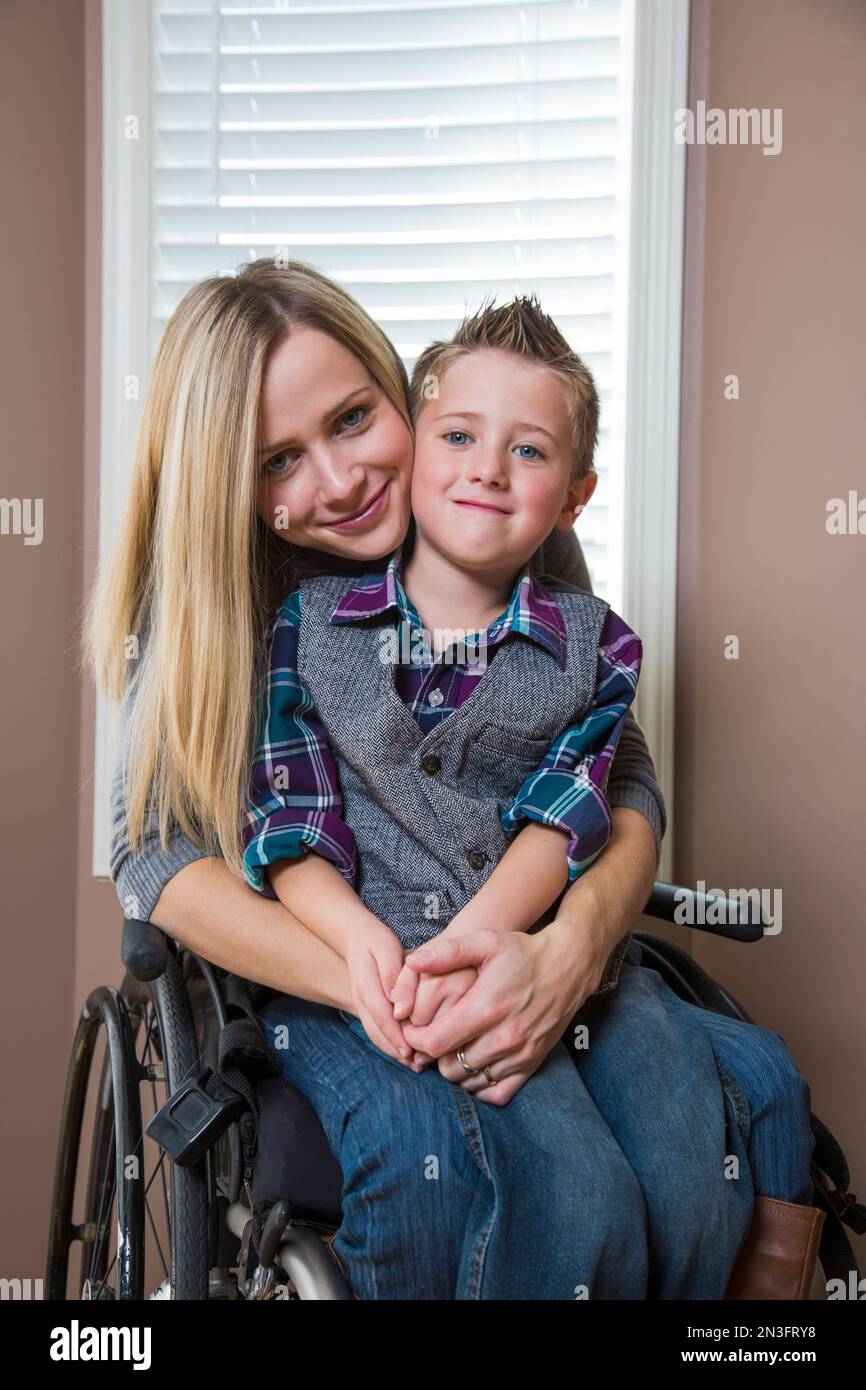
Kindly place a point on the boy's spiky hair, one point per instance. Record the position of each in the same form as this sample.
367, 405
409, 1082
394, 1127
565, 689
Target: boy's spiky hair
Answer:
522, 327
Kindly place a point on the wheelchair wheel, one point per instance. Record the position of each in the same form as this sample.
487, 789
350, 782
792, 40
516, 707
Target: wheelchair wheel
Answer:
145, 1229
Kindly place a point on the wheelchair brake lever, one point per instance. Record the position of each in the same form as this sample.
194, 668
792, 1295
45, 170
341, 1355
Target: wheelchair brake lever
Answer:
192, 1120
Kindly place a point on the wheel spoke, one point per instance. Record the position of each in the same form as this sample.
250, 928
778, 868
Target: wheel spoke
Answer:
156, 1238
147, 1059
160, 1166
100, 1243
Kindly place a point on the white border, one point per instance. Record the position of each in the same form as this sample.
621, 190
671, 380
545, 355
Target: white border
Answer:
661, 62
125, 316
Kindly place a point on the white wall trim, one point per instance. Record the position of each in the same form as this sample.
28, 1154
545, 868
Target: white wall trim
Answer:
125, 315
661, 54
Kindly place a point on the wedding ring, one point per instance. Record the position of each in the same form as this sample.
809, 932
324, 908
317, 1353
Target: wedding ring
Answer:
473, 1071
490, 1080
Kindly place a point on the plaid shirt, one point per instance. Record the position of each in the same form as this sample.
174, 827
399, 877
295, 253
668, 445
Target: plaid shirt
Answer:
294, 800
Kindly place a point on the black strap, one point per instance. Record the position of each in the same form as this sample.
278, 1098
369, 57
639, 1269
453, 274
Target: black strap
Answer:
244, 1059
831, 1178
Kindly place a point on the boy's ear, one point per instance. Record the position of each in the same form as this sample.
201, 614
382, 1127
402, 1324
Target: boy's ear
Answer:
579, 493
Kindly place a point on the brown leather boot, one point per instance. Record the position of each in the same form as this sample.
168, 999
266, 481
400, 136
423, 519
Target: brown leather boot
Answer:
777, 1258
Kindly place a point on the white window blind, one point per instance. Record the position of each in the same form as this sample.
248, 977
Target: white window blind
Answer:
423, 153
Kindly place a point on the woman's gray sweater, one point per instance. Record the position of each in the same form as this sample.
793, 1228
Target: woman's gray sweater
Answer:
140, 878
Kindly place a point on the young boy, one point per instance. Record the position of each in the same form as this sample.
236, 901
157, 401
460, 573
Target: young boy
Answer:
394, 773
407, 761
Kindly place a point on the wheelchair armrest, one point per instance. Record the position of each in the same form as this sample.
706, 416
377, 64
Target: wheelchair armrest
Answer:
740, 919
143, 949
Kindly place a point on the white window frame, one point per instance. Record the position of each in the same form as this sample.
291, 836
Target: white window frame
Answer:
652, 407
652, 444
125, 354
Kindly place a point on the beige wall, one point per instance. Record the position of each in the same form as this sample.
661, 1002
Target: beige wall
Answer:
44, 793
769, 749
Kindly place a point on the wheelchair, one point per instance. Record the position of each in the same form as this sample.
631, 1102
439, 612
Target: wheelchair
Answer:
248, 1204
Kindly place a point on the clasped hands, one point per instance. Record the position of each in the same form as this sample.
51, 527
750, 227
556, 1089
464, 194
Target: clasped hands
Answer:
503, 999
393, 994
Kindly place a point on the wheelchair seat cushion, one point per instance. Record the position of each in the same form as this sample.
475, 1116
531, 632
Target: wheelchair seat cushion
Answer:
294, 1161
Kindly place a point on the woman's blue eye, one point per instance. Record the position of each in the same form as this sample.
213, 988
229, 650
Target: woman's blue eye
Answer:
269, 466
361, 410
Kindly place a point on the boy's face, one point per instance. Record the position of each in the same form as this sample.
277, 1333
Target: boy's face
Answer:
493, 462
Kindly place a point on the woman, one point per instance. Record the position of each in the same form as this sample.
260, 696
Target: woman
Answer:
201, 564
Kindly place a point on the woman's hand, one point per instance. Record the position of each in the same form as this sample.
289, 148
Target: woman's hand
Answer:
527, 990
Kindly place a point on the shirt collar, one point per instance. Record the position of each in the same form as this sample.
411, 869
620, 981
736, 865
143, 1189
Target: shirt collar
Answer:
532, 610
375, 593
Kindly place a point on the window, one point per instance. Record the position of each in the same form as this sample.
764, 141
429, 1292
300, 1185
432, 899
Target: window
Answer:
424, 153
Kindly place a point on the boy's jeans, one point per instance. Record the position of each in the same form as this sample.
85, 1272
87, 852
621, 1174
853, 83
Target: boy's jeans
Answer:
445, 1197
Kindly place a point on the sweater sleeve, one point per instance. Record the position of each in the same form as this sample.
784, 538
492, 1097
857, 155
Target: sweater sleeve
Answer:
140, 878
632, 779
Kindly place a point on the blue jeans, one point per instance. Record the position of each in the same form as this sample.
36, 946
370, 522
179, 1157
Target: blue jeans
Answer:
701, 1150
448, 1198
628, 1177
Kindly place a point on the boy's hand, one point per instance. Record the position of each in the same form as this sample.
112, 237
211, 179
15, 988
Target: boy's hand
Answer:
436, 994
404, 991
374, 959
403, 995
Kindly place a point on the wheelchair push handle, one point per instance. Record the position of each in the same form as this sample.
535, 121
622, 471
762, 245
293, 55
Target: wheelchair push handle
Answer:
143, 949
738, 919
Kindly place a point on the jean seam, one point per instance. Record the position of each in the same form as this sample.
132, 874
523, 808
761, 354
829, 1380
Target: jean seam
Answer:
738, 1100
472, 1130
479, 1251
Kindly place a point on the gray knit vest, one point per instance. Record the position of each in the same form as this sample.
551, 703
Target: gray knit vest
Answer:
425, 808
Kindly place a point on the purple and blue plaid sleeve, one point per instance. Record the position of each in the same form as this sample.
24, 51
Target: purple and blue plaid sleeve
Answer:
567, 790
293, 802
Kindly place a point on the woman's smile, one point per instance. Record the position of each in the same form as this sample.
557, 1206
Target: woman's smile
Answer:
369, 512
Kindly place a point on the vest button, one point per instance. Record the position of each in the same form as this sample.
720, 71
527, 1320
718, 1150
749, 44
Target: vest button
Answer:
477, 858
431, 764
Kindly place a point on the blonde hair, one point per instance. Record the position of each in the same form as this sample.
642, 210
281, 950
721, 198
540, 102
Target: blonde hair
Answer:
523, 328
193, 563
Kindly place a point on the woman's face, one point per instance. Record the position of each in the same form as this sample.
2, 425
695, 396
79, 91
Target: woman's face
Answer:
336, 462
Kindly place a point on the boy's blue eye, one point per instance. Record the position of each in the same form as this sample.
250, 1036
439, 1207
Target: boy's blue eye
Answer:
463, 436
